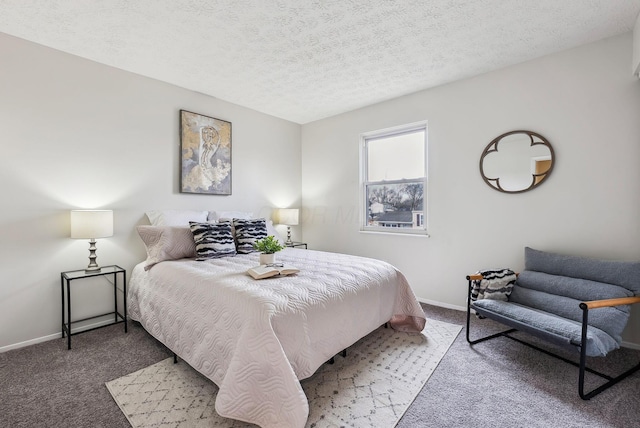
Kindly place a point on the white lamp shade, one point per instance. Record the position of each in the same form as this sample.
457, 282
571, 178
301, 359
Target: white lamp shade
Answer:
288, 216
91, 224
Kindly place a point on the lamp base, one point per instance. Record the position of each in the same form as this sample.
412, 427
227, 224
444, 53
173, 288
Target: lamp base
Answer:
288, 241
93, 266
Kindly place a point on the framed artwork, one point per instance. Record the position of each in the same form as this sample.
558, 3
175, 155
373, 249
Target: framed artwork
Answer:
205, 154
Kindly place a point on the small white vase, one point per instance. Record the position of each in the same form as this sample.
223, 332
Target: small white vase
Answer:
267, 259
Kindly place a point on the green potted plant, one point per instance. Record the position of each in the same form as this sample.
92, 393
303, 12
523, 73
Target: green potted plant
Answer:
268, 248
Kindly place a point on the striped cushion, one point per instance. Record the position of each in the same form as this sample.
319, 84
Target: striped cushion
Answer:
248, 232
213, 240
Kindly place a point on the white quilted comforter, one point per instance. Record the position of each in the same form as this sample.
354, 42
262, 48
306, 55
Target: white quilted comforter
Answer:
257, 339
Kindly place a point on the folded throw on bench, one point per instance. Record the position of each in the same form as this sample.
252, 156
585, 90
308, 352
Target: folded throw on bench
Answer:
494, 285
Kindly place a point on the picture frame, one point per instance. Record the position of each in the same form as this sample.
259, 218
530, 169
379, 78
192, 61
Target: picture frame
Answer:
205, 154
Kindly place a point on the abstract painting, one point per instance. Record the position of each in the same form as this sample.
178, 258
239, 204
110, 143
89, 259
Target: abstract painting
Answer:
205, 154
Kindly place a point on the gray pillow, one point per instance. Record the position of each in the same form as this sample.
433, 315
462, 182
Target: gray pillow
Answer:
576, 288
624, 274
610, 320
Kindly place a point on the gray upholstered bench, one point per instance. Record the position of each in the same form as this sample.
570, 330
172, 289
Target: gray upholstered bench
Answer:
575, 302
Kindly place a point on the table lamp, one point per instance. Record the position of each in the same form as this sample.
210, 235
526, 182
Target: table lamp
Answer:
289, 217
91, 224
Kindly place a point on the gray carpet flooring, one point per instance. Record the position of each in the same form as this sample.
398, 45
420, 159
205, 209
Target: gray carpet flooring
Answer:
499, 383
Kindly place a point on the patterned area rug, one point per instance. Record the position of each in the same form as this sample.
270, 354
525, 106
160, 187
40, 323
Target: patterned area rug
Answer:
372, 387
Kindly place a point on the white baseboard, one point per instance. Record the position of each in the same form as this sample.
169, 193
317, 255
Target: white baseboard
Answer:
442, 305
630, 345
624, 343
53, 336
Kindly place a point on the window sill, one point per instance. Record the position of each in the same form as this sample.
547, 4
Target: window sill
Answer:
421, 234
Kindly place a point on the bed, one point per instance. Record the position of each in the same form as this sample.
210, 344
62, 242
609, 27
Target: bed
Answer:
256, 339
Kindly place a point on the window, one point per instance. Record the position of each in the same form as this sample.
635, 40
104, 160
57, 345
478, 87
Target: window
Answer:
394, 179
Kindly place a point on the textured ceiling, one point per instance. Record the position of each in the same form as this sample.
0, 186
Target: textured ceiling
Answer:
304, 60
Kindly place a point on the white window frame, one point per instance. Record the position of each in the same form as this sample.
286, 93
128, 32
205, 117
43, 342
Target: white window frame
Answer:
383, 133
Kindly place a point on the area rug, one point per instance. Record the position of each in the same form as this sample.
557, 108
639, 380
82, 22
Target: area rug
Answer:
372, 387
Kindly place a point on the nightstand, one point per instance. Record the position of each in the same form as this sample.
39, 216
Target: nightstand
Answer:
295, 244
72, 275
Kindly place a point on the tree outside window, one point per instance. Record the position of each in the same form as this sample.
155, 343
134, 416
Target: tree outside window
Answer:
394, 179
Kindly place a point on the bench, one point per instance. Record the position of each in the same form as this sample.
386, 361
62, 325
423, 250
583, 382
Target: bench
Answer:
578, 303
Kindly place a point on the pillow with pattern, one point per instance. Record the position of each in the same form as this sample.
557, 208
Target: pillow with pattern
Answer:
248, 232
166, 243
213, 240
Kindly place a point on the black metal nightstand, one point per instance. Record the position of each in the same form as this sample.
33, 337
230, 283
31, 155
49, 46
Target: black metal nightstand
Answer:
295, 244
68, 276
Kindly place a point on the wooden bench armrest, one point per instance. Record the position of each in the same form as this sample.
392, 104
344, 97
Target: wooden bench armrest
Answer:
477, 277
594, 304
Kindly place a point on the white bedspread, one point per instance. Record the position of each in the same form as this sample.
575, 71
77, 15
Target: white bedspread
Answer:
257, 339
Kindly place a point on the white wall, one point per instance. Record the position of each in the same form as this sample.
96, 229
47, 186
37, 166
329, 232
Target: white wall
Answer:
77, 134
635, 63
584, 101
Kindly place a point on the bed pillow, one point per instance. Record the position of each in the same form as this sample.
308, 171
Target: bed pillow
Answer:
217, 215
176, 217
166, 243
212, 240
248, 232
271, 231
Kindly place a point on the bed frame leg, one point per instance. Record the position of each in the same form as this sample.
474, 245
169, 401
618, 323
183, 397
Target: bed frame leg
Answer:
332, 360
175, 358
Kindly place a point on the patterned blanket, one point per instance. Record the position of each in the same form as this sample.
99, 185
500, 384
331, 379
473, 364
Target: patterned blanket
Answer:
495, 284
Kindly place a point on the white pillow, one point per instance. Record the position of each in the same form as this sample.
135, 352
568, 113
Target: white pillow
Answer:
176, 217
242, 215
271, 230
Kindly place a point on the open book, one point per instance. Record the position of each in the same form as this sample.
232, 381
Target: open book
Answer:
267, 271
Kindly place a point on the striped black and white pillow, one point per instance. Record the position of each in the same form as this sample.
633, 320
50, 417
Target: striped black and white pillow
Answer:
213, 240
248, 232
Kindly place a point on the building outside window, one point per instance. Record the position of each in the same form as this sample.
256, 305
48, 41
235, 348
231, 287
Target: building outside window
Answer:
394, 178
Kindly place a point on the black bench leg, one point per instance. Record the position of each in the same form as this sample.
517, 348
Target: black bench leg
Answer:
482, 339
583, 367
